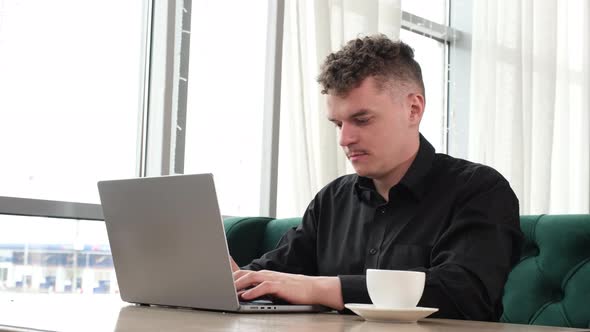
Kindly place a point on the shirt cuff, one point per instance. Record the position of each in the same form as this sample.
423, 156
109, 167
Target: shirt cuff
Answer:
354, 289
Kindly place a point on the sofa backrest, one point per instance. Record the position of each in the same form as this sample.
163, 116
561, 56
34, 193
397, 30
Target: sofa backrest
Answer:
551, 283
275, 230
245, 236
251, 237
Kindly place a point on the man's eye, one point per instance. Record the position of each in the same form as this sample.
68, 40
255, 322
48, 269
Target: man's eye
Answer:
361, 121
338, 125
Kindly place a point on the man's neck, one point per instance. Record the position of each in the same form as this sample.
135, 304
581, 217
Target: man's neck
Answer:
384, 184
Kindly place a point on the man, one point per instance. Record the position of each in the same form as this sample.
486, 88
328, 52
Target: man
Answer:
406, 208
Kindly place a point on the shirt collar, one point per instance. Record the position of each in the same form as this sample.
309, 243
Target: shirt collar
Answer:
414, 179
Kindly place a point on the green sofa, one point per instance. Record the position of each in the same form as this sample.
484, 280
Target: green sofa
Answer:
549, 286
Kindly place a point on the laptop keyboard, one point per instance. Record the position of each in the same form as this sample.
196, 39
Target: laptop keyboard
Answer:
266, 300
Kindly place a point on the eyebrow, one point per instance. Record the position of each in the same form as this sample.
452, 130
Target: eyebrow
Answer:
361, 112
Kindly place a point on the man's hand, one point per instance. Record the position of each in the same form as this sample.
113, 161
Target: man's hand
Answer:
294, 288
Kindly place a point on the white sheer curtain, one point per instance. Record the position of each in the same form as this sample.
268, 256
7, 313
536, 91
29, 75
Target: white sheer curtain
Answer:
530, 94
310, 156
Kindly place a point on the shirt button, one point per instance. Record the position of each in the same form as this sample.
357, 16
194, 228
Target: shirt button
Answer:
373, 251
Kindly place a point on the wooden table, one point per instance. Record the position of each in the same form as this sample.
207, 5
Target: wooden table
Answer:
107, 313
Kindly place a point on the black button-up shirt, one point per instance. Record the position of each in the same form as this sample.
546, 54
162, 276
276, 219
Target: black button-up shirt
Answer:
455, 220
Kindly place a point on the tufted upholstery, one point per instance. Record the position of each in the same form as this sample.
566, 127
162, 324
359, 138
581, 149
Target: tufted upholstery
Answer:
549, 286
551, 283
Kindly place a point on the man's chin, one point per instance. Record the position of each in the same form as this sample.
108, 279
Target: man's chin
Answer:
363, 172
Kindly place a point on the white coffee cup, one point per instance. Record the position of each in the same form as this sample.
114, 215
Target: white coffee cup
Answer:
395, 288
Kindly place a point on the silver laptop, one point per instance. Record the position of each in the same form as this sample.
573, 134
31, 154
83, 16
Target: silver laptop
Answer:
169, 246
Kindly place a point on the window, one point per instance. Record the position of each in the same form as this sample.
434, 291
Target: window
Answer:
225, 101
59, 256
431, 55
70, 95
434, 11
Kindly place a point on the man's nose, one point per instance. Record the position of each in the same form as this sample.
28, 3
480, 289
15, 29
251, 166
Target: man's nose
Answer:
348, 135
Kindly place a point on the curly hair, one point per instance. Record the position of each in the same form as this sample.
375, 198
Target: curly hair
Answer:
374, 56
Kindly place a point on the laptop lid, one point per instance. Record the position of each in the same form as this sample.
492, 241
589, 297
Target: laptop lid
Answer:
168, 243
169, 246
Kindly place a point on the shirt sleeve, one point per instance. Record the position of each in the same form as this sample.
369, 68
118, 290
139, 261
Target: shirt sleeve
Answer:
296, 251
470, 261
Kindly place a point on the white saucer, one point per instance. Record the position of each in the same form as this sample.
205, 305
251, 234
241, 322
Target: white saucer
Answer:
401, 315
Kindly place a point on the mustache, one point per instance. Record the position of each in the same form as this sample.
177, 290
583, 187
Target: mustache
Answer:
354, 152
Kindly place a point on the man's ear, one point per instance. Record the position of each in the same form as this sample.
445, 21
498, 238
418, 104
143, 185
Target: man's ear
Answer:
416, 103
